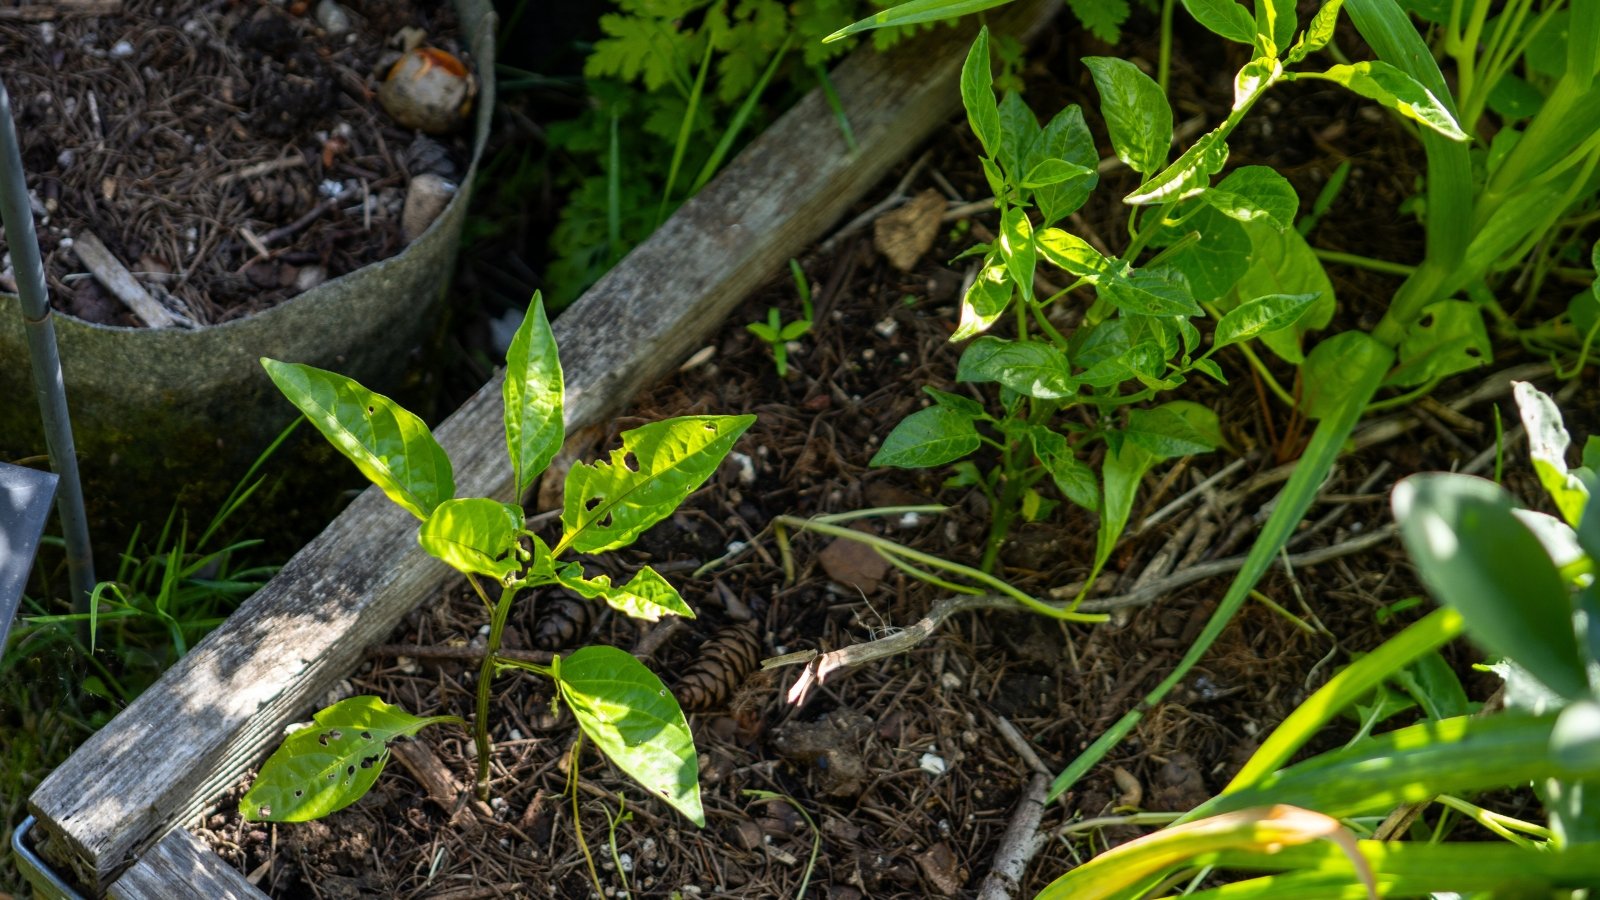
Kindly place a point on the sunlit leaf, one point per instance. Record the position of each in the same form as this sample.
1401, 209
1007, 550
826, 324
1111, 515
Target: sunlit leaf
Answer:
532, 393
330, 764
475, 535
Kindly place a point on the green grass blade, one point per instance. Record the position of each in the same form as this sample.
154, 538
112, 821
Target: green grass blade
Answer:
1360, 677
684, 131
740, 117
845, 131
1291, 506
614, 193
1404, 869
913, 13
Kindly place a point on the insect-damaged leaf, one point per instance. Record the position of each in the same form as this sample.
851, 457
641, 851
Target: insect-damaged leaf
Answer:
608, 504
476, 535
648, 596
390, 446
330, 764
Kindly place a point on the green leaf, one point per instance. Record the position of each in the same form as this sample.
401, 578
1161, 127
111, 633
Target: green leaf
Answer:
1210, 368
1215, 259
475, 535
964, 405
1016, 248
1336, 370
977, 94
1122, 470
1275, 22
915, 13
1155, 291
608, 504
1547, 448
1018, 132
1225, 18
532, 394
648, 596
332, 763
1052, 172
985, 302
1319, 32
1263, 315
1165, 434
1474, 554
1071, 475
1067, 138
1136, 112
1071, 253
1449, 756
927, 438
636, 722
1103, 18
1255, 193
390, 446
1283, 263
1253, 79
1448, 337
1393, 88
1031, 368
1188, 175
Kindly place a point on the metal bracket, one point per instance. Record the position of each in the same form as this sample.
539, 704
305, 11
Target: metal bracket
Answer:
45, 882
25, 496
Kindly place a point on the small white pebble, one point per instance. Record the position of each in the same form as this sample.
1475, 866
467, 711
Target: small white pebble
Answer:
627, 861
407, 665
514, 735
887, 327
950, 681
747, 468
736, 547
329, 188
122, 49
483, 630
932, 763
869, 354
910, 520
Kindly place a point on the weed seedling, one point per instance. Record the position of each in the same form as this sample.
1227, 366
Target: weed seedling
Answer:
776, 333
618, 703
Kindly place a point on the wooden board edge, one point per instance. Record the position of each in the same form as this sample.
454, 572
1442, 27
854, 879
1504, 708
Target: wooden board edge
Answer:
181, 867
98, 810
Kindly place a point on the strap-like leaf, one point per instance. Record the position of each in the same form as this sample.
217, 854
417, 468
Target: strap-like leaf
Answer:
532, 393
608, 504
913, 13
329, 765
636, 722
390, 446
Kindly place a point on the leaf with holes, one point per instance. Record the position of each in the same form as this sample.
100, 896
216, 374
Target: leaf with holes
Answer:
608, 504
390, 446
532, 394
636, 722
331, 763
1448, 338
475, 535
648, 596
1547, 449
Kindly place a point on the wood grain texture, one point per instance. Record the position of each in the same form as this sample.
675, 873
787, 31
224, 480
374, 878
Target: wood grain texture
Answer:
181, 867
224, 706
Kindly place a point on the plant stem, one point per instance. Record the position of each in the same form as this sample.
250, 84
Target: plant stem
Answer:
887, 546
1364, 262
486, 670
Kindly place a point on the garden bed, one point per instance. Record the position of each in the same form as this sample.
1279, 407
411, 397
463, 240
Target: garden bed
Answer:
903, 764
911, 766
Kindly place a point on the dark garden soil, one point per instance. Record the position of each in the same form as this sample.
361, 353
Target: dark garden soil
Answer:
900, 763
230, 154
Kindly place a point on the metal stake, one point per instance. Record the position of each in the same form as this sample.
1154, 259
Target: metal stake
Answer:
17, 216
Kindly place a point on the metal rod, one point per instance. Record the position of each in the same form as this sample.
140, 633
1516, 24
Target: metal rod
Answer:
17, 216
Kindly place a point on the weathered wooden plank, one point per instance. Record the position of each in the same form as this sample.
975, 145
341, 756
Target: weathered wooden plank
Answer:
217, 712
181, 867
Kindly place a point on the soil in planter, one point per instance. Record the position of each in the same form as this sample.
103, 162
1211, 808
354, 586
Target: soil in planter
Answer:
899, 763
231, 155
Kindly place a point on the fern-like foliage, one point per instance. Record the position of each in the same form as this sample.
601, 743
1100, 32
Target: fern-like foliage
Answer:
1103, 18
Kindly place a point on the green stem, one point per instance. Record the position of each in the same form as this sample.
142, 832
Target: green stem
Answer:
1164, 59
486, 670
984, 578
1005, 509
1364, 262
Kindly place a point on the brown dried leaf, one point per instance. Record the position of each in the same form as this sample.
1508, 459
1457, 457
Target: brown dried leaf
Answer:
905, 234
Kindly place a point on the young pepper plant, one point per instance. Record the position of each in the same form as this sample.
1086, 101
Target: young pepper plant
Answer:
617, 702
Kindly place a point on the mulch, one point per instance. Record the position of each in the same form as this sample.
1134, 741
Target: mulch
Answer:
230, 154
897, 770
